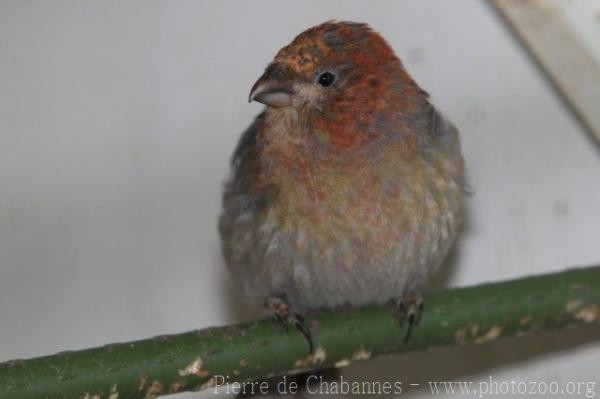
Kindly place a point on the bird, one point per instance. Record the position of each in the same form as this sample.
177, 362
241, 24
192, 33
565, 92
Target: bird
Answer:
348, 188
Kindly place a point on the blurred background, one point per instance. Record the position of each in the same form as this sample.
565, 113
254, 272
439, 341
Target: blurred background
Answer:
118, 119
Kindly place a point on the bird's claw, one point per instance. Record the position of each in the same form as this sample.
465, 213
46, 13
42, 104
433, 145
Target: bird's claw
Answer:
409, 308
282, 312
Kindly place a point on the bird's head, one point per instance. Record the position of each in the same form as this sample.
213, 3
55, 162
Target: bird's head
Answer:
343, 77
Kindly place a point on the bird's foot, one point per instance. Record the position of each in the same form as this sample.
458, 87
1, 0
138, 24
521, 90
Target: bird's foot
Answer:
409, 307
282, 312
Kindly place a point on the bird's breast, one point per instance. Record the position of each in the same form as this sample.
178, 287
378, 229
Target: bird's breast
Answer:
371, 200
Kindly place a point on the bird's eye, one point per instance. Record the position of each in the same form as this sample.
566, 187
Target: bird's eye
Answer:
326, 79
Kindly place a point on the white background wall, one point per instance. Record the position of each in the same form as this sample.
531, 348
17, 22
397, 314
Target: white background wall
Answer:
117, 120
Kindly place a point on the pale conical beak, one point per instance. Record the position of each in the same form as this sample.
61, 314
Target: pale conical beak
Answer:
271, 92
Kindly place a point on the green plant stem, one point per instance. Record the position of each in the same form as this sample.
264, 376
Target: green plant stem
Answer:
195, 360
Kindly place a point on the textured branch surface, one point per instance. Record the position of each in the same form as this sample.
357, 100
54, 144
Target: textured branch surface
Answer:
190, 361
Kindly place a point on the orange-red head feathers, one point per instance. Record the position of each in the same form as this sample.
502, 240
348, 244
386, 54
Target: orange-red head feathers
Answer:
343, 82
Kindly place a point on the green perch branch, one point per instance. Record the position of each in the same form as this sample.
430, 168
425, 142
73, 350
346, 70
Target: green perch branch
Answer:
195, 360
